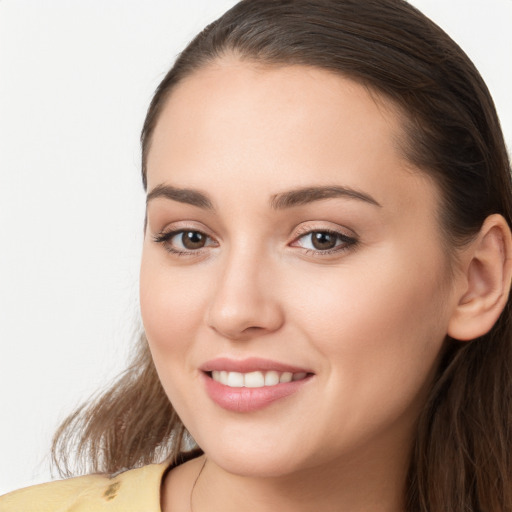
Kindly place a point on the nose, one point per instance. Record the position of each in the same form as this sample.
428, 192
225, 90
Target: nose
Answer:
245, 303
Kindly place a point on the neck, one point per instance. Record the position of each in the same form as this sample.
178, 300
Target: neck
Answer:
355, 484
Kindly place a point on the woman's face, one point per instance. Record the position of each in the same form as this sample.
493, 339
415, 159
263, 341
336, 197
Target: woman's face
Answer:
287, 235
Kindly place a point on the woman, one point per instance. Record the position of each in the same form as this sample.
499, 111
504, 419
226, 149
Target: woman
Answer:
324, 283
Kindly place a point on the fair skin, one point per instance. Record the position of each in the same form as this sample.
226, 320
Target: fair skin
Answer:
353, 291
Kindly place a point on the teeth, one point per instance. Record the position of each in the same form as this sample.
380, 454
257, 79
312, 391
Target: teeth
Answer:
286, 377
235, 380
255, 379
271, 378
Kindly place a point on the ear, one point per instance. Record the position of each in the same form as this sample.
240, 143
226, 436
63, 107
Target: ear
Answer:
487, 269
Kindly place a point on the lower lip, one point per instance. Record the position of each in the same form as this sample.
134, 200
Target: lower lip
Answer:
249, 399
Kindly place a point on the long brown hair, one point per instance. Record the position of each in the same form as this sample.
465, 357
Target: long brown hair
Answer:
462, 455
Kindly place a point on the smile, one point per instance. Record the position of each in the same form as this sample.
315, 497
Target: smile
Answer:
249, 385
257, 379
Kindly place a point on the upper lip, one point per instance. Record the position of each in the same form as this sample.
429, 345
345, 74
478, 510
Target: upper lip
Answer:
252, 364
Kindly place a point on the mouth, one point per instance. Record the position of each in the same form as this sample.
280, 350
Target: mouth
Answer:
251, 384
255, 379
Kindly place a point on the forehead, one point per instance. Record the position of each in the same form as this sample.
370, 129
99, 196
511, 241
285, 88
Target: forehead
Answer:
241, 122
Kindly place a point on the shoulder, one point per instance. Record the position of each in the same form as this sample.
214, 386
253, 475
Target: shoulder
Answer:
134, 490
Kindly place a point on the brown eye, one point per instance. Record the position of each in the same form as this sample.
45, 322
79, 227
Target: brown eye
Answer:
184, 241
323, 240
193, 240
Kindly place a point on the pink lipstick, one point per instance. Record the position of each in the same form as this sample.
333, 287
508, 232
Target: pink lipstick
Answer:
251, 384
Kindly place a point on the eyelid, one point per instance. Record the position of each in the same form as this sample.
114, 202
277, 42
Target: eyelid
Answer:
312, 226
348, 239
185, 225
166, 234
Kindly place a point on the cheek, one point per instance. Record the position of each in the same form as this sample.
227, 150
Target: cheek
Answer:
383, 296
379, 330
169, 302
170, 315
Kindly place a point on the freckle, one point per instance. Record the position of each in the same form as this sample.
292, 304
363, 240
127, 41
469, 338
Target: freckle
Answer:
111, 491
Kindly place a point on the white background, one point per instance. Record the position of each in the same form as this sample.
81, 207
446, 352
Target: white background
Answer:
76, 77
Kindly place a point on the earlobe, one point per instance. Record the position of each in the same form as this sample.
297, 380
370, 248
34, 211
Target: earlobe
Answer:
488, 273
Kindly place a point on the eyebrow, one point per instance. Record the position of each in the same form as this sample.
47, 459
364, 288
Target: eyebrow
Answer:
283, 200
307, 195
182, 195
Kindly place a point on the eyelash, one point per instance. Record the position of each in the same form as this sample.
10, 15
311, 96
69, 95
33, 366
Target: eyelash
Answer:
164, 238
346, 241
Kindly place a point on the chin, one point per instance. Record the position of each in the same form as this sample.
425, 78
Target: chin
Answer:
255, 459
261, 466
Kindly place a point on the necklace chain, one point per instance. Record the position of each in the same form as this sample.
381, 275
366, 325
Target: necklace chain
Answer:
195, 482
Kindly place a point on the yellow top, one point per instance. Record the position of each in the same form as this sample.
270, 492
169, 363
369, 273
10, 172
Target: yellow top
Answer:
136, 490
